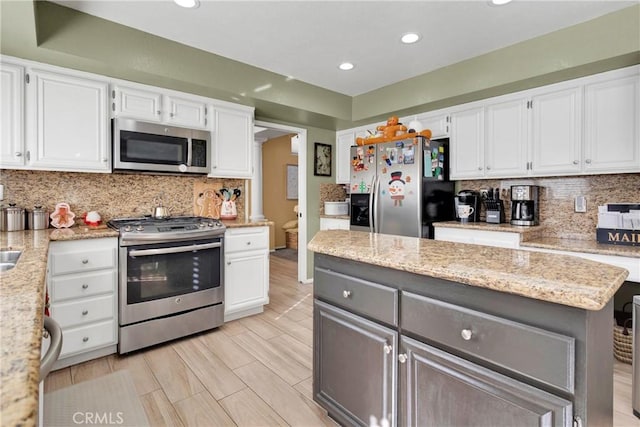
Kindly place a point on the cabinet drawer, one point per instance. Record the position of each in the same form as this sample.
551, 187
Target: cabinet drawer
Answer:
82, 285
83, 311
360, 296
535, 353
87, 338
249, 238
82, 255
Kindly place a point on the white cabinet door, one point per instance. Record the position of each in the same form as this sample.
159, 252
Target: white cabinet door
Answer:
344, 141
69, 123
438, 125
506, 141
185, 112
232, 143
334, 224
137, 103
467, 143
612, 126
246, 281
12, 143
557, 132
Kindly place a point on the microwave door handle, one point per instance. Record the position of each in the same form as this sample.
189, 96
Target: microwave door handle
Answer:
174, 250
189, 152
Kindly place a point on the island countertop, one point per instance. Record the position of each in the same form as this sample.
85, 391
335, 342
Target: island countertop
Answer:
560, 279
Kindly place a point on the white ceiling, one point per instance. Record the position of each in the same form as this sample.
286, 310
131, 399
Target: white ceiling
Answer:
306, 40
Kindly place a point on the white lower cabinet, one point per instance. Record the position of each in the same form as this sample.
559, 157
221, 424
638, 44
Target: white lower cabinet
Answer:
334, 224
82, 279
246, 271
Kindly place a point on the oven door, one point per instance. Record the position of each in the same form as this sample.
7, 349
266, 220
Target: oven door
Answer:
165, 278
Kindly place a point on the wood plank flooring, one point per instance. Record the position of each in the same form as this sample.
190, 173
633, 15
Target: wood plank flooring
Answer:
254, 371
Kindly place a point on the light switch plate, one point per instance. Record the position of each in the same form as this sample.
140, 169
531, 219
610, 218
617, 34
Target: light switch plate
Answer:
580, 204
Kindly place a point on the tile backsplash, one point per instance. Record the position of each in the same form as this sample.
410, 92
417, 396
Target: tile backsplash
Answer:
557, 197
112, 195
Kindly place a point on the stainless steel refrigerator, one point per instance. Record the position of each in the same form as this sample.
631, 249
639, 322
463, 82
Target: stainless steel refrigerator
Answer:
401, 187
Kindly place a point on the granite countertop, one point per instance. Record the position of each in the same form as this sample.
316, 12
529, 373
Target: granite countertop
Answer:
534, 237
560, 279
21, 311
237, 223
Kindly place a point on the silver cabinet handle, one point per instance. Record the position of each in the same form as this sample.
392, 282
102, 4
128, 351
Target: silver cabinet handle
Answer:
466, 334
588, 161
387, 349
248, 243
85, 339
85, 261
171, 114
575, 162
479, 168
346, 293
158, 112
85, 286
228, 262
402, 358
488, 168
18, 154
104, 160
85, 312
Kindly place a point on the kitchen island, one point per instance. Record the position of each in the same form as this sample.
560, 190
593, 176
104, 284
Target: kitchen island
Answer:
426, 332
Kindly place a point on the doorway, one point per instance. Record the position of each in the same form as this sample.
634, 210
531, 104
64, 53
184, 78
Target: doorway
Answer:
275, 129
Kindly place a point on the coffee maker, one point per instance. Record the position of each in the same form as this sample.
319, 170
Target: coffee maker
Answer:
524, 205
470, 198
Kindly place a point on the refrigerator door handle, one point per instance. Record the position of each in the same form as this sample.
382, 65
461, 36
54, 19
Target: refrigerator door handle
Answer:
376, 217
372, 196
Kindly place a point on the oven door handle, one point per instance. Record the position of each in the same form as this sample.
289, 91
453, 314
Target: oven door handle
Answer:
175, 250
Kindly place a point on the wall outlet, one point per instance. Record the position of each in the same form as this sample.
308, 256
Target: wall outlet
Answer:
580, 204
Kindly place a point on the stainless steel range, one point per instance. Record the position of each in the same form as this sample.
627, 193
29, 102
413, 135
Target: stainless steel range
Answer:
171, 280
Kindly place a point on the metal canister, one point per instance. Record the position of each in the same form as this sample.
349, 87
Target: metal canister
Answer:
37, 218
12, 218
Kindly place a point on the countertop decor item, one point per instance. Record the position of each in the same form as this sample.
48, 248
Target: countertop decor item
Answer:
62, 217
92, 218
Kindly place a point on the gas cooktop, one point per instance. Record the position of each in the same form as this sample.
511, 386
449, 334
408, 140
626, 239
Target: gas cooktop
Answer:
147, 229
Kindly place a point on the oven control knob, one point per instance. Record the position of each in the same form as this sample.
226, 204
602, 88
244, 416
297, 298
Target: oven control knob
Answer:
211, 224
127, 228
139, 228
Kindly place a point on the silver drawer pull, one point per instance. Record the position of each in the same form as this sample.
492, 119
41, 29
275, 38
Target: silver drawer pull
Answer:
466, 334
85, 339
402, 358
248, 243
85, 261
346, 293
387, 349
85, 286
85, 312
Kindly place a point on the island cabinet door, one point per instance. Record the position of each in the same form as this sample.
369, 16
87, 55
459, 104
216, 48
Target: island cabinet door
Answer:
355, 369
440, 389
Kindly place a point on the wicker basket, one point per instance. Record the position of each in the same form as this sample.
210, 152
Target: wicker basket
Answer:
291, 238
623, 342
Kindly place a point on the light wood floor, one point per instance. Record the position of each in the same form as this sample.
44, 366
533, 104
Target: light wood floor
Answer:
254, 371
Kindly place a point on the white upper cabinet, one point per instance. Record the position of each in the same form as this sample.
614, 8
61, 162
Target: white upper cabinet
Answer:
467, 143
557, 132
157, 106
67, 122
232, 137
344, 141
438, 124
612, 126
506, 141
12, 143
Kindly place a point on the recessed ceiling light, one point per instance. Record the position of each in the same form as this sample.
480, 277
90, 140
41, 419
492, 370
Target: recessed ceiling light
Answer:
190, 4
410, 38
500, 2
346, 66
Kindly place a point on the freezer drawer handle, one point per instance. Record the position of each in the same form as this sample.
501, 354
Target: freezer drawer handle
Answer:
346, 293
466, 334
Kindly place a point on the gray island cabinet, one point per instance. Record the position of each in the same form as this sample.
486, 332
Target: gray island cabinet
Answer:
425, 333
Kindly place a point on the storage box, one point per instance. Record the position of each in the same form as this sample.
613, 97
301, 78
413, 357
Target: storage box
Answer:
618, 236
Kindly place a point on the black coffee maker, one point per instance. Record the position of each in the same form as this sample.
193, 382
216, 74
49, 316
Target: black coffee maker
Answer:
524, 205
470, 198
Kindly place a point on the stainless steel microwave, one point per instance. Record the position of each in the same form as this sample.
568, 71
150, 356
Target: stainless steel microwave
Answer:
156, 148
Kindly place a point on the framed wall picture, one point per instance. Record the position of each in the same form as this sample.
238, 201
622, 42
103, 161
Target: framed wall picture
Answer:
322, 156
292, 182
